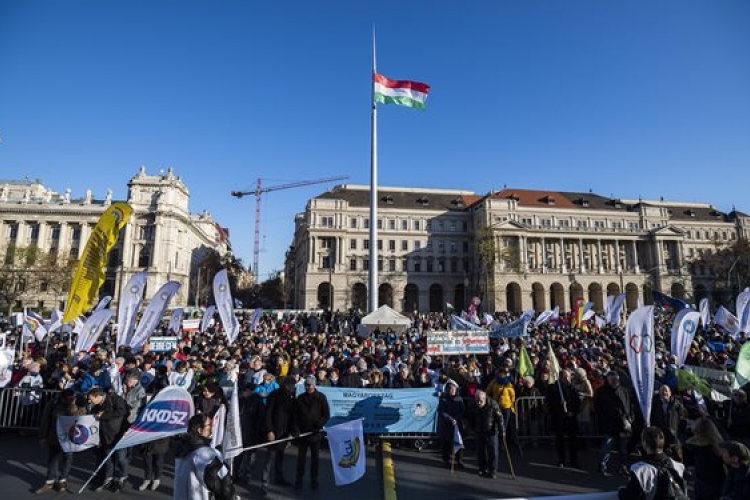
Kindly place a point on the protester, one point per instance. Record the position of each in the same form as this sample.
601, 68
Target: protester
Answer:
615, 412
112, 413
486, 420
310, 415
656, 476
450, 415
564, 404
706, 453
59, 462
737, 484
279, 425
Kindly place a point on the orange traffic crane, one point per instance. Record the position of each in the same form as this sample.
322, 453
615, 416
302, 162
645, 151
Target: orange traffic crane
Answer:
259, 190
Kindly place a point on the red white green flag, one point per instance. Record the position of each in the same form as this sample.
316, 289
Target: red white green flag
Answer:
403, 92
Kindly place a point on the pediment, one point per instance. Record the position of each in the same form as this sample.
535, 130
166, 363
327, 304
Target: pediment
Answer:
668, 231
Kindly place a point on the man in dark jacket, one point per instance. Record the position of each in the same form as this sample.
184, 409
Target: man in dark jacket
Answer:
311, 414
666, 412
253, 423
450, 414
656, 476
278, 424
486, 419
615, 413
563, 404
350, 378
112, 412
737, 458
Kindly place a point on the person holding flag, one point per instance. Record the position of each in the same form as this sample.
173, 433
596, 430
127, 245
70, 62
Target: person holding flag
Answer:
563, 405
112, 413
59, 462
450, 420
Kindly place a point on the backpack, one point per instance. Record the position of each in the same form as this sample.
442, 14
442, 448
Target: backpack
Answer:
218, 480
669, 484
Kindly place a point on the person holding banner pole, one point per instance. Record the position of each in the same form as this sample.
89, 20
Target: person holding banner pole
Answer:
279, 425
310, 415
111, 411
450, 415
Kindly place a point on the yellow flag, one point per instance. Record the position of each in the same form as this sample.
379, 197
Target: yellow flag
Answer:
525, 367
554, 365
89, 276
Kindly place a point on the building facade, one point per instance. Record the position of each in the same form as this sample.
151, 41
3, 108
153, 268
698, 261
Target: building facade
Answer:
516, 249
161, 238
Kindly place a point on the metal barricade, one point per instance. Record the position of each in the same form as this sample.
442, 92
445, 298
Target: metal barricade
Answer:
22, 408
533, 420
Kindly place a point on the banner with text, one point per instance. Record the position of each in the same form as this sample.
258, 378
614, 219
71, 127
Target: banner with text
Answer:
384, 410
449, 343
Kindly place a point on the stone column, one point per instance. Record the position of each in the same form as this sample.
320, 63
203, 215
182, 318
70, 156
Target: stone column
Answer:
563, 260
635, 256
599, 256
21, 236
544, 256
618, 266
581, 261
523, 243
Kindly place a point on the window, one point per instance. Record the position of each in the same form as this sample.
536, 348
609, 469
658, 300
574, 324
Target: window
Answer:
465, 246
392, 224
77, 233
404, 225
43, 286
55, 235
353, 223
353, 244
33, 232
441, 266
380, 264
430, 266
73, 254
563, 223
392, 265
417, 265
367, 223
146, 233
454, 265
453, 247
599, 224
545, 223
352, 264
441, 246
326, 262
429, 246
380, 244
11, 231
380, 223
405, 265
465, 226
366, 264
392, 245
417, 244
326, 221
441, 225
417, 225
404, 245
527, 221
428, 226
617, 225
582, 224
633, 226
367, 244
453, 226
144, 258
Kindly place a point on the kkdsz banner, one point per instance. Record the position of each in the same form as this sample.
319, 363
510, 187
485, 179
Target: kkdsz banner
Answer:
384, 410
448, 343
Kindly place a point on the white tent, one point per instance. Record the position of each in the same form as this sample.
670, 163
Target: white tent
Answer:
385, 317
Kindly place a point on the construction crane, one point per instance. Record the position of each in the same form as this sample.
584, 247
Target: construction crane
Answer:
259, 190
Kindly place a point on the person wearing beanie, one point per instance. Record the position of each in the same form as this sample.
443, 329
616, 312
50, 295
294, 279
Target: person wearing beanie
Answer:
310, 415
450, 417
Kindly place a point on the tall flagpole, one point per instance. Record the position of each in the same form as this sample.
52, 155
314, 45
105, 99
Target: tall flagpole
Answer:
373, 288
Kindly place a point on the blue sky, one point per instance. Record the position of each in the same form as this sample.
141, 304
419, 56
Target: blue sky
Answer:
636, 98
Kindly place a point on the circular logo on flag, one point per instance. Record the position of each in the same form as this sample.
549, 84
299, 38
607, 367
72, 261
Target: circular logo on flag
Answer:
165, 295
79, 434
420, 409
689, 326
222, 287
134, 289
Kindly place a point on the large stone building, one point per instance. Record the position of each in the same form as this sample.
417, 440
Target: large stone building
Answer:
516, 249
161, 238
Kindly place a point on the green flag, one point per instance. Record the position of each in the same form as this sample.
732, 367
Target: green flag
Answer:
525, 368
742, 370
690, 381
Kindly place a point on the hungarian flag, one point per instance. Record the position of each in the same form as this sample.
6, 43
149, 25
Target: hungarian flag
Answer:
402, 92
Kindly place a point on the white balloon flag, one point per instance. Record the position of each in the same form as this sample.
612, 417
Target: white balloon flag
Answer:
641, 355
225, 305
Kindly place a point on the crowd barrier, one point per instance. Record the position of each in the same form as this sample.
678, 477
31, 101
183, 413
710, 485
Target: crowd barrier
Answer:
533, 421
21, 409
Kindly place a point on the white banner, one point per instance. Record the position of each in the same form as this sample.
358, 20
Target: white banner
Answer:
727, 321
347, 451
33, 326
232, 443
191, 325
208, 315
641, 355
217, 428
166, 415
7, 355
152, 316
225, 305
175, 321
705, 313
127, 309
465, 342
93, 327
77, 433
56, 321
683, 330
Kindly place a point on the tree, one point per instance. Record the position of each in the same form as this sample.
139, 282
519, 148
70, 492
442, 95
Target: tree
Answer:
29, 271
490, 254
211, 263
727, 265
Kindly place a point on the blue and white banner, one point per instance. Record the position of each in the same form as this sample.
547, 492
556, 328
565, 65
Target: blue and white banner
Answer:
450, 343
208, 315
103, 303
77, 433
127, 308
256, 317
460, 324
225, 305
232, 440
743, 310
55, 320
92, 329
33, 325
640, 349
384, 410
166, 415
727, 321
683, 330
347, 444
613, 317
513, 329
547, 315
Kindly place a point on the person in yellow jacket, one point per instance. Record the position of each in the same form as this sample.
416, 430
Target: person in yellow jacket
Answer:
502, 391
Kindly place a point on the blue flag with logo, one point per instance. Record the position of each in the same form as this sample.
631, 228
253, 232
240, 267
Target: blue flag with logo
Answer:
668, 303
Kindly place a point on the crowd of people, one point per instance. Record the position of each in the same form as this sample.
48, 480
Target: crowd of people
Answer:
592, 395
